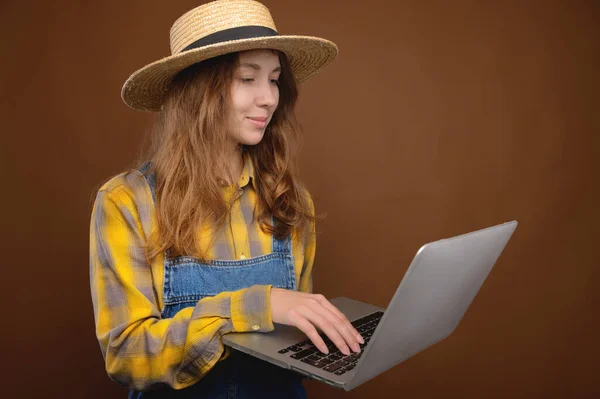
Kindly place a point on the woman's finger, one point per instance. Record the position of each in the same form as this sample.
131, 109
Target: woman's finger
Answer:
310, 331
344, 328
337, 312
327, 327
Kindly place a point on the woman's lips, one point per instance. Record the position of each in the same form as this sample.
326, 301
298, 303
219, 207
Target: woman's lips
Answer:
258, 122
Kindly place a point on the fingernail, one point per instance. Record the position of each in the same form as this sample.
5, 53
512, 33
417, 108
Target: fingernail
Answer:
346, 351
325, 350
360, 339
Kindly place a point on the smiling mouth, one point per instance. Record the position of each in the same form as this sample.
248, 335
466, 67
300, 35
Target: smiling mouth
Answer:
258, 123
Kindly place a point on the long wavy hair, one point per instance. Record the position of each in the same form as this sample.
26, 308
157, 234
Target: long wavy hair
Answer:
189, 142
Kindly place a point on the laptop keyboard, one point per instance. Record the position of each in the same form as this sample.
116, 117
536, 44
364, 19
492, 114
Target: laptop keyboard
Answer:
335, 362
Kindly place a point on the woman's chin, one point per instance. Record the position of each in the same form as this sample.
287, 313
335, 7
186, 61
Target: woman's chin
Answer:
252, 139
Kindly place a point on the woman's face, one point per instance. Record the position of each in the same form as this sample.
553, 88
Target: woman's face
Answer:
254, 95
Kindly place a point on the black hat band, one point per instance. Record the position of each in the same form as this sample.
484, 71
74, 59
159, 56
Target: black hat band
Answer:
242, 32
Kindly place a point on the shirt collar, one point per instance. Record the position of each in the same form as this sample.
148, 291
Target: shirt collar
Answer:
246, 176
247, 172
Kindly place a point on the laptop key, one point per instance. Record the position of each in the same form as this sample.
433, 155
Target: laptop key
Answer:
367, 319
335, 357
373, 324
312, 348
349, 359
364, 320
359, 322
313, 363
286, 350
340, 372
332, 367
326, 360
342, 363
304, 353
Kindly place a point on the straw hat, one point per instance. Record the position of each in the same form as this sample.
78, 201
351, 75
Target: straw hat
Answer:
221, 27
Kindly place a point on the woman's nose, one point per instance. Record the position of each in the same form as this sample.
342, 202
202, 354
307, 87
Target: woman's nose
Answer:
268, 94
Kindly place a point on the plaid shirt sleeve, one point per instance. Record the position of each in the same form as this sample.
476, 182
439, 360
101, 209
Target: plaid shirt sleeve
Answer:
140, 348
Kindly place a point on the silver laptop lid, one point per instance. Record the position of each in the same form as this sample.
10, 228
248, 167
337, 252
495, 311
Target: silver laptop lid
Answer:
432, 298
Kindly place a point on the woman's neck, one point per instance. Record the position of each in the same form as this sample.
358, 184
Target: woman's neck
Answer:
234, 163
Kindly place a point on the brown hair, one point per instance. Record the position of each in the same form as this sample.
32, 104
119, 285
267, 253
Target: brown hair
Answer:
188, 142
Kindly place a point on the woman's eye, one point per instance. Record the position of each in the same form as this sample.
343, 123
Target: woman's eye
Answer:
250, 80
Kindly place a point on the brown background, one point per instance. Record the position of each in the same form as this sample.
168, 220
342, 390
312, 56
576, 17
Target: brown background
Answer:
435, 120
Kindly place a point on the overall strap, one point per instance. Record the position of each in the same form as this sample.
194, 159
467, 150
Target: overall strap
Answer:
281, 245
150, 177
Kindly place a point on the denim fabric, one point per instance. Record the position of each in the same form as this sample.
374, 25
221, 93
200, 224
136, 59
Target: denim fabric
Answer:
188, 280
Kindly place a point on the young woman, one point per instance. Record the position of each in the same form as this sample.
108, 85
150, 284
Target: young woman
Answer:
214, 233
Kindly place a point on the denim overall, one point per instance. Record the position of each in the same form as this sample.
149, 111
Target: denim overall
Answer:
187, 280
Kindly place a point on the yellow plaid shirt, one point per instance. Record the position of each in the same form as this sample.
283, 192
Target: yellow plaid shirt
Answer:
140, 348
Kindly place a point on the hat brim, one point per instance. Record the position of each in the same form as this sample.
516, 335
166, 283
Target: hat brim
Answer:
146, 88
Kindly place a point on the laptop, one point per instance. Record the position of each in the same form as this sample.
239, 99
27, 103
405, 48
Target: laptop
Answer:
430, 301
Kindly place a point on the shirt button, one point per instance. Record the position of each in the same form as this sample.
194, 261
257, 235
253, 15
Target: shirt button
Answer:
255, 327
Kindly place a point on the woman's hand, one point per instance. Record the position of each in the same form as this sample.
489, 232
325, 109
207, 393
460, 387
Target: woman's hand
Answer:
307, 311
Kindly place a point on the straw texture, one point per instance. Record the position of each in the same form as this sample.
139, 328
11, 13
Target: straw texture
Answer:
145, 89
